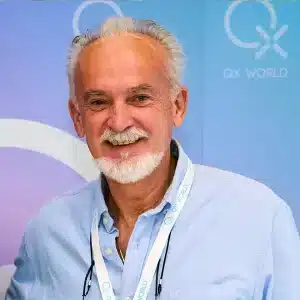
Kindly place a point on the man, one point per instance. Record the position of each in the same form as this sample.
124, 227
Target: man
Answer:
154, 226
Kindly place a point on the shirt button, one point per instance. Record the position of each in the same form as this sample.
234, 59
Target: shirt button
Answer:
127, 298
108, 251
105, 220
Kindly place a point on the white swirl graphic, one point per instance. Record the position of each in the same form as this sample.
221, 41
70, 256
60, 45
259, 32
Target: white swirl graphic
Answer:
50, 141
84, 5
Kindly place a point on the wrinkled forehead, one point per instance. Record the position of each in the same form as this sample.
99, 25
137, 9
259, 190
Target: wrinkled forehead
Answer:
124, 59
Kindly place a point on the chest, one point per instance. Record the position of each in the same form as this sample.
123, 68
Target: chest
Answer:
206, 260
199, 265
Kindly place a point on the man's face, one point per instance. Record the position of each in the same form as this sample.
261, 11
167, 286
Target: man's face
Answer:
122, 87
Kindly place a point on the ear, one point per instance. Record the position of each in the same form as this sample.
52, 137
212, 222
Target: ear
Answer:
75, 114
180, 106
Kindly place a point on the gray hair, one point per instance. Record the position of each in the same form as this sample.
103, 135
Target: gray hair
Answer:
117, 25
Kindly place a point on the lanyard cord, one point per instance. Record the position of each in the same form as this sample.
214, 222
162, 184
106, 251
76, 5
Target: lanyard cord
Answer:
86, 287
158, 284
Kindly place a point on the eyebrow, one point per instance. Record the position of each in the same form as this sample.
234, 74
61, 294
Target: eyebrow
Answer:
141, 88
89, 93
94, 93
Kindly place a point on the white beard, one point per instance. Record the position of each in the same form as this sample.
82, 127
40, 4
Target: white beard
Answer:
129, 170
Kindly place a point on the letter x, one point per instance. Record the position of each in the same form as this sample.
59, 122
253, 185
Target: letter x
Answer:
268, 42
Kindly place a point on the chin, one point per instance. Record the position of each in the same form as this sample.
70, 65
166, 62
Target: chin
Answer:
129, 169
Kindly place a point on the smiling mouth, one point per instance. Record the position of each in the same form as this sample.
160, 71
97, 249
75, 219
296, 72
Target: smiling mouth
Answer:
125, 143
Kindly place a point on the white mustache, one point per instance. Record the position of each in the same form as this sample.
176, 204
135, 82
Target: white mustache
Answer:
132, 134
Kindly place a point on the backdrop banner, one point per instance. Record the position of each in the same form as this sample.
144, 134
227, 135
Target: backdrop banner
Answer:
243, 61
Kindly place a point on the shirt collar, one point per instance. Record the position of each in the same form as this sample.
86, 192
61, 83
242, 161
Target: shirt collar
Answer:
169, 198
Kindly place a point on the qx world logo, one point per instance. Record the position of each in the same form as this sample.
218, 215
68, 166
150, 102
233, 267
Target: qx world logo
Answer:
262, 46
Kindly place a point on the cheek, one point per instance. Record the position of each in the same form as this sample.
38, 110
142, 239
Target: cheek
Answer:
162, 124
92, 126
93, 134
151, 119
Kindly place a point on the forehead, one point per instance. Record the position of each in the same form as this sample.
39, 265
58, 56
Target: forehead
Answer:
121, 61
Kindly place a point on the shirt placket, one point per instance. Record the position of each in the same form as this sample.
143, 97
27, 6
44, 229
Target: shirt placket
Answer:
108, 234
136, 254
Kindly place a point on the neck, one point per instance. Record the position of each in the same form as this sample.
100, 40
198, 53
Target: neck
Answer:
126, 202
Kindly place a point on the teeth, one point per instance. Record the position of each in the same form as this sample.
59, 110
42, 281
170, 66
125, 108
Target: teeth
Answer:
131, 140
125, 142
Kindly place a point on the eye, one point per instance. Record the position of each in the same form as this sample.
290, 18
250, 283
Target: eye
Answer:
96, 104
141, 98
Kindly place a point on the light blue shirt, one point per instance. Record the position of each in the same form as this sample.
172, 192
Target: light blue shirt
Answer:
234, 240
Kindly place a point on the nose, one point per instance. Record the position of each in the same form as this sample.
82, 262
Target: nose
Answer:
119, 117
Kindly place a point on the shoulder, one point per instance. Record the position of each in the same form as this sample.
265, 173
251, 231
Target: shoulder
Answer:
245, 209
236, 192
62, 214
71, 202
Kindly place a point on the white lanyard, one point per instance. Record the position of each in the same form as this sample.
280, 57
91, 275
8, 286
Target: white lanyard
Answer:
156, 251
